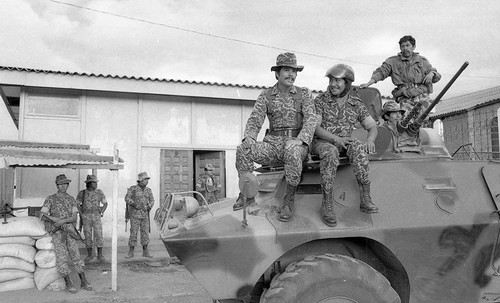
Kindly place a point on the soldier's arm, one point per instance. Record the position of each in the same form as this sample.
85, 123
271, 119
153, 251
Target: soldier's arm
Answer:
151, 198
129, 197
104, 203
310, 120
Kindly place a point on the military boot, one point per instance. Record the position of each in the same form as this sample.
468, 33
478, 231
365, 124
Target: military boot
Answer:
100, 257
286, 212
130, 253
239, 204
327, 212
69, 285
145, 252
85, 284
90, 254
366, 205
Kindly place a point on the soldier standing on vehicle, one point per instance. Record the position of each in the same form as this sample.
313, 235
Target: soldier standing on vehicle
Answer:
208, 184
140, 201
89, 203
412, 74
61, 208
338, 112
401, 139
292, 122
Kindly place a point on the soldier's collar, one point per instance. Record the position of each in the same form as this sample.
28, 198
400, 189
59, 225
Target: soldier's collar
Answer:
293, 89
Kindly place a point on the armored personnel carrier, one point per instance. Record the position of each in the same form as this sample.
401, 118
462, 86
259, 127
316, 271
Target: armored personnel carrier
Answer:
435, 238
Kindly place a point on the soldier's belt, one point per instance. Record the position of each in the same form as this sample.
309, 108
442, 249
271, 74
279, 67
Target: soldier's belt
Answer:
285, 132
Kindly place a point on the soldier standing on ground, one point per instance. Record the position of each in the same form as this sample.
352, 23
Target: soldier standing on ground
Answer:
412, 74
208, 185
292, 122
338, 112
140, 201
61, 208
89, 202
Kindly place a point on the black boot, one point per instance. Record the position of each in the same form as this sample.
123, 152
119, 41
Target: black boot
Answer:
327, 213
69, 285
85, 284
145, 252
286, 212
130, 253
100, 257
366, 205
90, 254
239, 204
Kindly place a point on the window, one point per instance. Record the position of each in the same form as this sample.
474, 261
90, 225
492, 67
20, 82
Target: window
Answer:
54, 106
495, 148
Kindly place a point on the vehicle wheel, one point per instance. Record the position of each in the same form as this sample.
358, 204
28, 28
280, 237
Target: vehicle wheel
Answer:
330, 278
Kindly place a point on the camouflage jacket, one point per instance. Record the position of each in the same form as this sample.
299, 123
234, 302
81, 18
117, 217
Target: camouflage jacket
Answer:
139, 201
282, 112
406, 71
207, 183
93, 200
60, 205
340, 120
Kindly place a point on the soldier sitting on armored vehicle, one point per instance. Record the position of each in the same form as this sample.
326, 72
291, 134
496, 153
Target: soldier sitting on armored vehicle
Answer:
338, 112
403, 140
292, 122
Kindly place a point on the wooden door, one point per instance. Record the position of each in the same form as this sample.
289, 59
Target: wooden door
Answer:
176, 173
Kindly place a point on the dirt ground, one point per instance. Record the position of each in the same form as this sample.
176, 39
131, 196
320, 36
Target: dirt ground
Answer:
159, 279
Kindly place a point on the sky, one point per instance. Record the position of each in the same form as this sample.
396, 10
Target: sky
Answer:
236, 41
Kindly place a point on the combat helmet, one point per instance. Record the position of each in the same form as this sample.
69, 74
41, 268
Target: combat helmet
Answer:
342, 71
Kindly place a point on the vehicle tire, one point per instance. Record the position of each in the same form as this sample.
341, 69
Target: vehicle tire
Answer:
330, 278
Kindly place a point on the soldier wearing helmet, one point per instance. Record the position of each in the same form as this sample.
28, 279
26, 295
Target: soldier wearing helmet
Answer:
411, 73
338, 112
208, 184
401, 140
292, 121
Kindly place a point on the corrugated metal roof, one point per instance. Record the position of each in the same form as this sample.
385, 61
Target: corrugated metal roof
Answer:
45, 71
35, 154
464, 102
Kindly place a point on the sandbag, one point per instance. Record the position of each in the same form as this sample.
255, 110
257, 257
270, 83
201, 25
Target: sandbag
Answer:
23, 226
20, 251
45, 258
57, 285
45, 276
44, 243
13, 274
23, 283
26, 240
16, 263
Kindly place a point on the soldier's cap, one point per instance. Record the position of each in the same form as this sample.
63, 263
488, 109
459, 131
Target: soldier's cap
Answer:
61, 179
142, 176
287, 59
391, 106
91, 178
209, 166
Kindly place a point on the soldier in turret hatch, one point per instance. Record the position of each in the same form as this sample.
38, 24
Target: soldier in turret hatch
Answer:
292, 121
338, 112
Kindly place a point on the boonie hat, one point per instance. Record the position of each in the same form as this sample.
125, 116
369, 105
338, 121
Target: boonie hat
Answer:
391, 106
142, 176
287, 59
91, 178
209, 166
61, 179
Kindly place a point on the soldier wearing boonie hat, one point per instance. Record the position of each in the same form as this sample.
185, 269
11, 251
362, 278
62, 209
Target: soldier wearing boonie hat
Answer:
208, 184
89, 201
57, 207
292, 121
139, 201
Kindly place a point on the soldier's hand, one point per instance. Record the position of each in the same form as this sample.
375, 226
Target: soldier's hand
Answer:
293, 142
370, 147
247, 142
58, 223
428, 78
343, 141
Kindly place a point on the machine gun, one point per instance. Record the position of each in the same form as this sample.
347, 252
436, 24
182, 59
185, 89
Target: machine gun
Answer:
413, 128
68, 229
7, 210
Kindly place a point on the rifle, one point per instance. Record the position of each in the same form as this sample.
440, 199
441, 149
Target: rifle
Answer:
127, 216
67, 228
80, 225
414, 127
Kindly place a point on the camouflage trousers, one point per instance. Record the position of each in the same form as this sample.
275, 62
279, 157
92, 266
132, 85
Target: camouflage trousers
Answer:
273, 152
135, 225
408, 103
211, 197
329, 155
92, 223
66, 249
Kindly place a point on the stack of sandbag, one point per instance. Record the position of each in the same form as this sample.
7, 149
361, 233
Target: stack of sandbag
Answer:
46, 274
17, 252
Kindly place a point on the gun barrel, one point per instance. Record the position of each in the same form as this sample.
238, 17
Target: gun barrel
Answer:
427, 111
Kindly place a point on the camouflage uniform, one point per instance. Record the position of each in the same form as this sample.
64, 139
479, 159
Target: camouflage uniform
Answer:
91, 215
340, 121
139, 215
282, 112
408, 73
62, 205
208, 186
